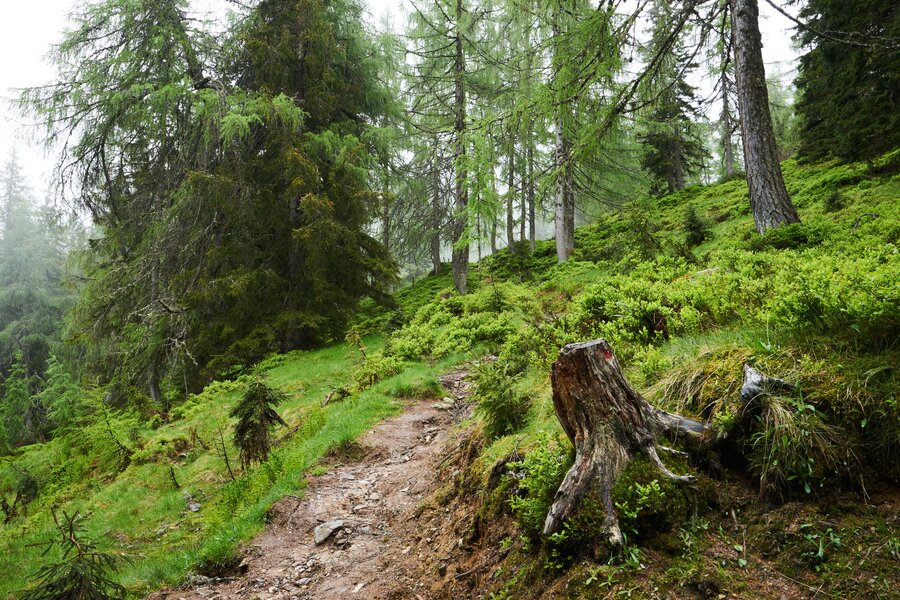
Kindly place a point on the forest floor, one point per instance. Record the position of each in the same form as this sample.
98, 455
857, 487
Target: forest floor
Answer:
369, 499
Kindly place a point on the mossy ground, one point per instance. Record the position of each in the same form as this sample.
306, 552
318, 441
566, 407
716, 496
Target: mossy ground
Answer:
817, 304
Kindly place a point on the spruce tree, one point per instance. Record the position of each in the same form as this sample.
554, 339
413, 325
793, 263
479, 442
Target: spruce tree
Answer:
256, 418
848, 79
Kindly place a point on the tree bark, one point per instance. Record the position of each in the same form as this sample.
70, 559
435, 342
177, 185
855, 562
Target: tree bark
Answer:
530, 197
727, 133
386, 223
769, 200
564, 213
678, 163
609, 423
461, 201
510, 183
436, 213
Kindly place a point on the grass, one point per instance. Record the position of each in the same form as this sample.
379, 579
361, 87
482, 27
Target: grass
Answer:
816, 304
140, 513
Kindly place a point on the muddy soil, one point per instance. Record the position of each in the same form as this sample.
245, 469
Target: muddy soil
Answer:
363, 511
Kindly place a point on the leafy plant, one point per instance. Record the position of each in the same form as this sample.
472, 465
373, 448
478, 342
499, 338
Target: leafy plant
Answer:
539, 475
796, 448
696, 229
502, 406
83, 573
256, 418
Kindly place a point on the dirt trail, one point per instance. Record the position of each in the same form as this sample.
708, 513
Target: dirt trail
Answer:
371, 555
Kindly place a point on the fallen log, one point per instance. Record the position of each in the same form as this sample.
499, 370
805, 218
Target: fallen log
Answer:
610, 423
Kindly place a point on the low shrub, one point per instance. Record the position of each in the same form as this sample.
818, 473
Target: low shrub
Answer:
503, 408
538, 476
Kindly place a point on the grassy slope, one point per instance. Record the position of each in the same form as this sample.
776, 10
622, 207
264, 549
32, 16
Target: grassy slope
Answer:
817, 304
139, 511
522, 307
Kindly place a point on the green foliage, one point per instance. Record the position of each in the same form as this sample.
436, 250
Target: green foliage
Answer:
503, 407
66, 402
376, 367
847, 102
795, 449
256, 417
483, 318
833, 202
18, 412
539, 476
82, 573
647, 506
215, 143
820, 544
696, 229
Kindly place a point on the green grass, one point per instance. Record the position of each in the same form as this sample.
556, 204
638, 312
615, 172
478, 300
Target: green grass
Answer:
817, 304
140, 513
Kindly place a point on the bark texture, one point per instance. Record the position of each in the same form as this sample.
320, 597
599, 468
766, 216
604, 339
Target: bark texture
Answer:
609, 424
565, 185
769, 200
460, 192
436, 214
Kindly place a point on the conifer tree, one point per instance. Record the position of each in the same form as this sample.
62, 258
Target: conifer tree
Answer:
672, 138
256, 418
769, 200
230, 180
848, 79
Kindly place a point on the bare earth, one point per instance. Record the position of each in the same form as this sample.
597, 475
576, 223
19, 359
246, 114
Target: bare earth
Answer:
374, 554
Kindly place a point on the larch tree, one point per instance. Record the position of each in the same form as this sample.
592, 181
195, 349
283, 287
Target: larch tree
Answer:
769, 199
441, 43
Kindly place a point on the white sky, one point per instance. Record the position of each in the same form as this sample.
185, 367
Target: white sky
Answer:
29, 28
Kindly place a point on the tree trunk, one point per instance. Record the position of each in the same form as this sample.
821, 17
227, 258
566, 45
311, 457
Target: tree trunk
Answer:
678, 163
769, 200
494, 235
510, 214
565, 198
531, 217
436, 215
564, 232
727, 142
727, 85
386, 223
609, 423
460, 217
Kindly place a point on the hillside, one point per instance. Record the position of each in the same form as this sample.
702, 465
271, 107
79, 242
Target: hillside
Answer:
812, 495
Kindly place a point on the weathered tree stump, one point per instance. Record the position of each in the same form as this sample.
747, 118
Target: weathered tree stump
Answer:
609, 423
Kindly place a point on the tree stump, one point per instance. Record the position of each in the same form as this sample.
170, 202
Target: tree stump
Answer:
609, 423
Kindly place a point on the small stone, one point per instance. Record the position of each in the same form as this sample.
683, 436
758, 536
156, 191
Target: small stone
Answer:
193, 506
374, 496
442, 569
303, 580
324, 531
358, 587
